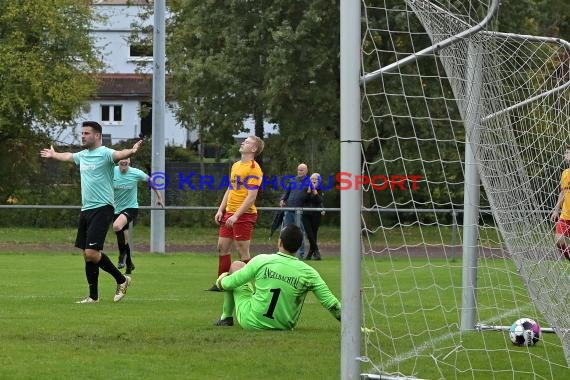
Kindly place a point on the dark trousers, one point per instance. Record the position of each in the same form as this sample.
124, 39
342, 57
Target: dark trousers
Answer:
312, 222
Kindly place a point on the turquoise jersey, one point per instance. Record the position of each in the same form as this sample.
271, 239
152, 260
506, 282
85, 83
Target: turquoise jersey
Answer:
96, 167
281, 284
125, 186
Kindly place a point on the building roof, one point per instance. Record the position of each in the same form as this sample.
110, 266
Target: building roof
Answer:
124, 86
122, 2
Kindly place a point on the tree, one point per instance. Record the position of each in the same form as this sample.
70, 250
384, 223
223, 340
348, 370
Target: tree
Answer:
549, 18
214, 62
273, 61
46, 64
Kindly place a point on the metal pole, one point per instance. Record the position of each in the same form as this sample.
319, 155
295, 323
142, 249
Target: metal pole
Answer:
350, 200
471, 195
158, 107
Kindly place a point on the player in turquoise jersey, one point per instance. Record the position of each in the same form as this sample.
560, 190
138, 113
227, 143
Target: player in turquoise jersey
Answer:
281, 284
96, 164
125, 181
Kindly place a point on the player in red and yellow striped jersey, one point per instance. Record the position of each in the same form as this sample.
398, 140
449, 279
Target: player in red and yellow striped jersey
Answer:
561, 212
237, 214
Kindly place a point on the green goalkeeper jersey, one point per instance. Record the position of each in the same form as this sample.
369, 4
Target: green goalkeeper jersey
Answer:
281, 285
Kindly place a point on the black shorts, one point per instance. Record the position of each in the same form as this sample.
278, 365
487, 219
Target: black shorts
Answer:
93, 227
130, 214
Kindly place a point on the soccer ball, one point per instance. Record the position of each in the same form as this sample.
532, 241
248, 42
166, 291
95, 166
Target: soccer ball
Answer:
525, 332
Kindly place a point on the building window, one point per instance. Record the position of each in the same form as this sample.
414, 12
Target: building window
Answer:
140, 52
112, 114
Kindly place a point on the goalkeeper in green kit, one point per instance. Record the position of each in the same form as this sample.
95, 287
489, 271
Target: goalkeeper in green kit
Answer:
281, 284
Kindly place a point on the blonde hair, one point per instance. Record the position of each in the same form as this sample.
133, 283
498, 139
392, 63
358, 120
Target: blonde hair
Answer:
260, 144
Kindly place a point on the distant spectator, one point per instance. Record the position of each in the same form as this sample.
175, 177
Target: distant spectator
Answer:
312, 219
295, 197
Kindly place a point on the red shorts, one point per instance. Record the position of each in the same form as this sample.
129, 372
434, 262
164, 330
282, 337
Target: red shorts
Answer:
563, 227
242, 229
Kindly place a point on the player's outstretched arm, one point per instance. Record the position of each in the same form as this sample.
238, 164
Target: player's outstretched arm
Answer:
327, 298
51, 153
119, 155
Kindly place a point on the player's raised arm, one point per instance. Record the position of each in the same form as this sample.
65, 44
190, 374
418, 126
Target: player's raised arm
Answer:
51, 153
119, 155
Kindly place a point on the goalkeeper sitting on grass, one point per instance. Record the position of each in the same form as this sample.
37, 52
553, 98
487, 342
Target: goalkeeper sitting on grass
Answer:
281, 284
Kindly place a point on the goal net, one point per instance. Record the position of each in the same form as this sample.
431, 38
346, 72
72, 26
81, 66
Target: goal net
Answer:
463, 137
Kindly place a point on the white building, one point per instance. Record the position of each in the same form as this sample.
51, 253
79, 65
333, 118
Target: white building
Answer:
123, 92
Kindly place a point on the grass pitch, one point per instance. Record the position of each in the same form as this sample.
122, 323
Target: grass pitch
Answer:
163, 329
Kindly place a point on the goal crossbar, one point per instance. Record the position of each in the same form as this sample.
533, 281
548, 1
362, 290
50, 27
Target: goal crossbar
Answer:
434, 48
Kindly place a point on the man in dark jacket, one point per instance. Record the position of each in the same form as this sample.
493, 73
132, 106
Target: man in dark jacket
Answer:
295, 196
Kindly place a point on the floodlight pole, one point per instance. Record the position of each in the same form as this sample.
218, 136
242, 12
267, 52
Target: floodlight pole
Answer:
158, 107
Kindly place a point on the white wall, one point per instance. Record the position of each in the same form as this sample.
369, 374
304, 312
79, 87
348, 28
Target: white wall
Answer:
110, 36
129, 129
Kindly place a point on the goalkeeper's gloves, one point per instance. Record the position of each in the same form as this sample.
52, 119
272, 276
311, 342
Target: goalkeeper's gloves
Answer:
219, 280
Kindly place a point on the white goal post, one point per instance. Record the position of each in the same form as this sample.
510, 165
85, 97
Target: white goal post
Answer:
430, 91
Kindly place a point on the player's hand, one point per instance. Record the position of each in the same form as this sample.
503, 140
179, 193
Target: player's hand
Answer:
218, 217
137, 145
231, 220
219, 280
554, 216
48, 153
160, 203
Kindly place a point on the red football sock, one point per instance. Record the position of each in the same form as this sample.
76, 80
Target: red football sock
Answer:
224, 263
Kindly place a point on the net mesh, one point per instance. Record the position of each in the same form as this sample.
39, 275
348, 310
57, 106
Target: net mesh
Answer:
508, 96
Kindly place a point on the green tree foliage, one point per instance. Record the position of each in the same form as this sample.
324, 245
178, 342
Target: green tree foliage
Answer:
214, 62
550, 18
46, 64
274, 61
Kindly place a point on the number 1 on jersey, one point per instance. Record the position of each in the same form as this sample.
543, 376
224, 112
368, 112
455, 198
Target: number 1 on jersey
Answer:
273, 303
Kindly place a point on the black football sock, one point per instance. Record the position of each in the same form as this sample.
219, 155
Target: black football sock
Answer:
92, 274
106, 264
127, 251
120, 237
122, 249
121, 244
